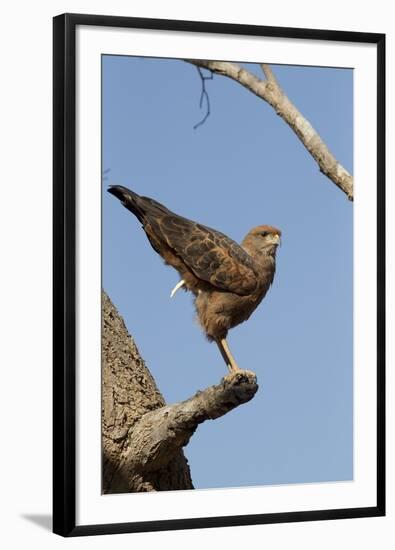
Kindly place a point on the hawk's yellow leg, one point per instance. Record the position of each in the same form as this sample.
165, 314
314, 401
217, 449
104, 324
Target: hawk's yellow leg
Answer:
227, 356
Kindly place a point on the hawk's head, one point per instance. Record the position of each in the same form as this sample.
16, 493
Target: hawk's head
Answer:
263, 238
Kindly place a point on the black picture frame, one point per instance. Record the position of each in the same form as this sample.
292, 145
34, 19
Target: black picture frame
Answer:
64, 273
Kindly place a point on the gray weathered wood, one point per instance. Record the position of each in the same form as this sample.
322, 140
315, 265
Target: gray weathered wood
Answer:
270, 91
128, 393
142, 436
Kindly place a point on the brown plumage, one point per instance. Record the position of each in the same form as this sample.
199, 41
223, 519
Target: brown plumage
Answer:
228, 280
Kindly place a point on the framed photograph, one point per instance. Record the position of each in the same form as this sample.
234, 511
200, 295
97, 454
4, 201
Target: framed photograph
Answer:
219, 275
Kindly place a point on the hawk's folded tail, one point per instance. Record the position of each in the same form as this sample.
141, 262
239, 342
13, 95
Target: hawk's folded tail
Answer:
129, 199
144, 208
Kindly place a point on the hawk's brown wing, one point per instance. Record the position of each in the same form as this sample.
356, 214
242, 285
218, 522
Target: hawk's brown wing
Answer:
211, 255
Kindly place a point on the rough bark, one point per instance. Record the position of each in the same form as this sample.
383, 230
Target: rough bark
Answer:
128, 393
270, 91
143, 437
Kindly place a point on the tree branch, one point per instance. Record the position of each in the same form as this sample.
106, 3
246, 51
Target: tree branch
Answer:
270, 91
142, 436
160, 434
267, 71
204, 95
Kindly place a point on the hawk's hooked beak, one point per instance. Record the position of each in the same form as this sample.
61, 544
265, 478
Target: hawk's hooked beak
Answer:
277, 239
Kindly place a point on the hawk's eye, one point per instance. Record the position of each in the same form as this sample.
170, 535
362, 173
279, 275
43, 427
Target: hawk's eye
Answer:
264, 233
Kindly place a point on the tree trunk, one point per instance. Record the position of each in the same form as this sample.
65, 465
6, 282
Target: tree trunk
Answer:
128, 393
142, 438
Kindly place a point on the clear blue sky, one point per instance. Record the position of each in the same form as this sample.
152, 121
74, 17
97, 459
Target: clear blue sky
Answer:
242, 168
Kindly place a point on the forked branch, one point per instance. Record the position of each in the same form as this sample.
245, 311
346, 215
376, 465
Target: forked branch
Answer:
270, 91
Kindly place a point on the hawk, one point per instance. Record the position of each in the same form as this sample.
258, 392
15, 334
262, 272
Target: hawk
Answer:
228, 280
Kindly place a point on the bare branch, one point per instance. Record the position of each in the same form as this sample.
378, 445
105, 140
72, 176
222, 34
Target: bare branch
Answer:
160, 434
270, 91
267, 71
204, 95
